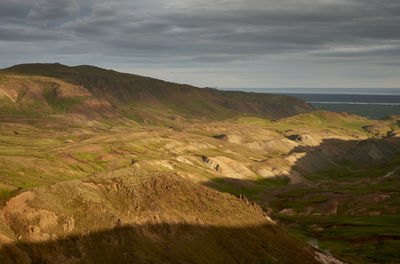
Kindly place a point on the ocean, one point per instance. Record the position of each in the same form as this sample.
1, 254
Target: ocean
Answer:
367, 102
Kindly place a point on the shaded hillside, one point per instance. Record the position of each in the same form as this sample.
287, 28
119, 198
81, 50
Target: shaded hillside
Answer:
348, 202
130, 217
122, 89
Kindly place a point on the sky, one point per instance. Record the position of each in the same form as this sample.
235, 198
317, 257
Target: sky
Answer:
214, 43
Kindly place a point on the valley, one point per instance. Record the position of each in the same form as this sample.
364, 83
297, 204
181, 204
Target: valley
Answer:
155, 167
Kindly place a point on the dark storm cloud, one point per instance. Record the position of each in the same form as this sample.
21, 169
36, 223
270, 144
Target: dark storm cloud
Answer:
15, 8
206, 31
240, 28
217, 27
53, 9
19, 33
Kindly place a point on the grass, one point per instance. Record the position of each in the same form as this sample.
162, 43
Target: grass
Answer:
251, 190
322, 120
357, 239
350, 170
3, 78
372, 111
252, 120
86, 156
29, 156
133, 116
298, 204
351, 234
27, 110
91, 162
387, 221
6, 192
60, 104
113, 123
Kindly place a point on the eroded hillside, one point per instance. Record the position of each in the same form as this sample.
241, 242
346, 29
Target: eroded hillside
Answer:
126, 216
71, 150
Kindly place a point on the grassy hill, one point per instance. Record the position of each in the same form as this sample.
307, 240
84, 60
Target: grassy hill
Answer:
132, 217
125, 91
99, 163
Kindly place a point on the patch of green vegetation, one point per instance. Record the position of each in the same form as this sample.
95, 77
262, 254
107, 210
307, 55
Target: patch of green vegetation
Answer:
357, 239
134, 148
348, 188
23, 177
297, 204
200, 105
210, 152
298, 192
113, 123
252, 120
395, 125
273, 182
86, 156
372, 111
92, 162
133, 116
350, 234
57, 103
3, 78
28, 155
27, 110
6, 192
326, 221
350, 170
25, 141
157, 145
333, 122
227, 187
252, 188
347, 163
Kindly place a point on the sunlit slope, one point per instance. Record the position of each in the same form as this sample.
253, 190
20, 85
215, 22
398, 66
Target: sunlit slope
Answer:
125, 91
128, 216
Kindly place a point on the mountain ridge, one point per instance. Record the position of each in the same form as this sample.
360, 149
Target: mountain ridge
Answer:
128, 89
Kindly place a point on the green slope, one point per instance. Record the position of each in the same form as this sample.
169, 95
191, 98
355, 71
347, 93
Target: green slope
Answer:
124, 89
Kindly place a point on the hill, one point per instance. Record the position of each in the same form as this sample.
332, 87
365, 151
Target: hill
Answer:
129, 217
128, 92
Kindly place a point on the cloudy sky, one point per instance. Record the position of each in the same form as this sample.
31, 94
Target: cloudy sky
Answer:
224, 43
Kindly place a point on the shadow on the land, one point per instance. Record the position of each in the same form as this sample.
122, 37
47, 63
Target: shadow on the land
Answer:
333, 163
340, 153
330, 154
165, 243
190, 243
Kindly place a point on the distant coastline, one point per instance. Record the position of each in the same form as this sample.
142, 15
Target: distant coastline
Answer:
353, 91
367, 102
355, 103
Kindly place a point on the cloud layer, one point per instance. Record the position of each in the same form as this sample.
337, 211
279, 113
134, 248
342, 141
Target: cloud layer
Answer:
262, 43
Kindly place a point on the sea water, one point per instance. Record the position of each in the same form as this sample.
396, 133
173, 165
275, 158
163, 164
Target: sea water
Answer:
366, 102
